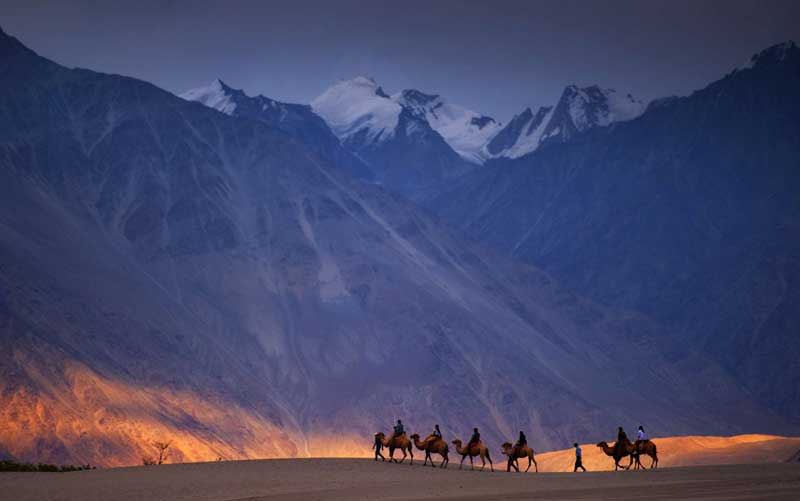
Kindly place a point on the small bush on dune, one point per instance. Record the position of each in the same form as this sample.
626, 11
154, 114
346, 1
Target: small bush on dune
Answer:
162, 448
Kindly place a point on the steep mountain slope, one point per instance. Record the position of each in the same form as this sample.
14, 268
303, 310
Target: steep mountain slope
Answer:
172, 272
466, 131
405, 153
297, 120
689, 214
578, 110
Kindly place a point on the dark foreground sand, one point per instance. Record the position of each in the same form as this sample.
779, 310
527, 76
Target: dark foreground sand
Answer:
341, 479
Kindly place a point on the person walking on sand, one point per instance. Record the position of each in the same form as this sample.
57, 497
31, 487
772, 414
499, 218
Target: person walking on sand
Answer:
378, 446
578, 458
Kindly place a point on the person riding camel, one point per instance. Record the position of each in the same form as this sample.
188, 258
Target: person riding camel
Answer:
622, 441
399, 429
437, 433
641, 437
475, 439
522, 441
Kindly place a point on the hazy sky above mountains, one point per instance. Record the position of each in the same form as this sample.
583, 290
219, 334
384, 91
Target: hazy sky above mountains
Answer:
495, 57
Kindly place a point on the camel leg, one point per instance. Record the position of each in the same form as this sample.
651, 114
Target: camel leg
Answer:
404, 454
483, 466
471, 464
535, 464
411, 451
491, 465
391, 455
462, 462
529, 465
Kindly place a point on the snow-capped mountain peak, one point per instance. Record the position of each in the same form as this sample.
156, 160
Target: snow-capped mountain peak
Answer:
358, 106
216, 95
466, 131
578, 109
592, 106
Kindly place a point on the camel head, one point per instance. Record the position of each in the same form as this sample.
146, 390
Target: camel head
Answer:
415, 436
602, 444
505, 447
457, 442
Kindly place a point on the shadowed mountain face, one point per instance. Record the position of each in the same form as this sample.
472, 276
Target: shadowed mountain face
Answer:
689, 214
169, 272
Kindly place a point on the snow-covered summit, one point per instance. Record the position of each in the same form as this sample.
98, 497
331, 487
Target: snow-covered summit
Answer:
216, 95
466, 131
358, 106
578, 109
592, 106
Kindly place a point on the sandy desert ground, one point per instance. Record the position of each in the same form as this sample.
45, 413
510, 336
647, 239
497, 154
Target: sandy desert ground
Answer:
360, 479
769, 477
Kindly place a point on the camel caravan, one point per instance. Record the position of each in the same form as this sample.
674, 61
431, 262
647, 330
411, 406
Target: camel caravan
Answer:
475, 448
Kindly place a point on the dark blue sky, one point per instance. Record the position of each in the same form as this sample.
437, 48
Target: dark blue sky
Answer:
495, 57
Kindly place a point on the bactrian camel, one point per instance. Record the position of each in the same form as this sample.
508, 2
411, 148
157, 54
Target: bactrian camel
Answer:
647, 447
515, 453
476, 450
434, 445
401, 442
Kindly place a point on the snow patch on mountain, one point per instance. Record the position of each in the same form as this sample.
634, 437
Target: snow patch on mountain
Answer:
593, 106
466, 131
358, 106
216, 95
579, 109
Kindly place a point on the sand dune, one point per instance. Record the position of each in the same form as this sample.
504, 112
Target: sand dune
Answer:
685, 451
769, 476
